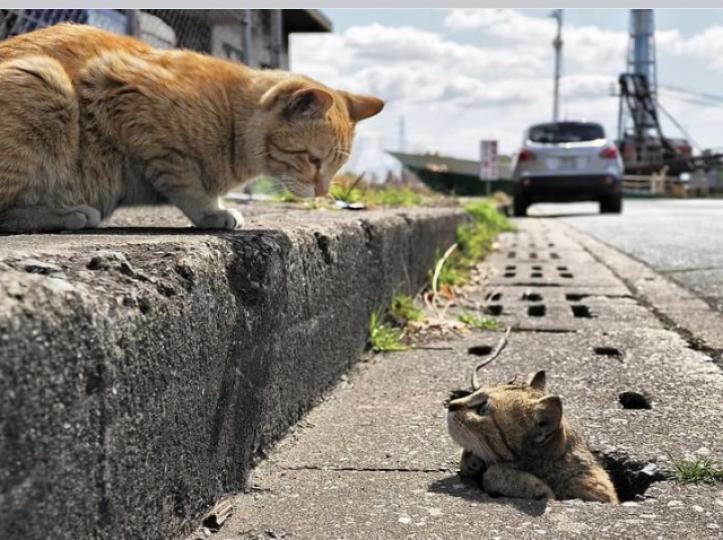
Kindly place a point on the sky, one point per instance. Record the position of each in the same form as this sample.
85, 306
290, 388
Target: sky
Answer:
459, 76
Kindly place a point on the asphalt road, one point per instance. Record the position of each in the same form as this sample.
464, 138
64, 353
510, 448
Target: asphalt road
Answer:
682, 239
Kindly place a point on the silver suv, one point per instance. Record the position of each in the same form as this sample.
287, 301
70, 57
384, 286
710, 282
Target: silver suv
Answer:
565, 162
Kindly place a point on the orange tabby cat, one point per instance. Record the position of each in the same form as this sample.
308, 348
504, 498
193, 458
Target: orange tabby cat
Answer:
93, 120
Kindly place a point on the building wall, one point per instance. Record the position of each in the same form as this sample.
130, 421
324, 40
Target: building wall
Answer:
217, 32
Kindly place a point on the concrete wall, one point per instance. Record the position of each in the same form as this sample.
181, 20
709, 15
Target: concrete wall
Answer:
141, 375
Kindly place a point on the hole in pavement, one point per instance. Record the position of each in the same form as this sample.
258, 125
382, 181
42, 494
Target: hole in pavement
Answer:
550, 244
532, 297
554, 256
631, 477
634, 400
533, 255
536, 267
566, 274
611, 352
574, 297
536, 311
510, 267
562, 268
480, 350
496, 296
536, 275
581, 311
493, 309
511, 255
509, 274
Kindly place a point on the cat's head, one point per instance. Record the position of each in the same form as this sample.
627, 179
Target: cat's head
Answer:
308, 132
507, 422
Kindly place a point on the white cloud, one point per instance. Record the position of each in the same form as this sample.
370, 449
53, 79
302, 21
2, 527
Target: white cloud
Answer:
452, 94
589, 47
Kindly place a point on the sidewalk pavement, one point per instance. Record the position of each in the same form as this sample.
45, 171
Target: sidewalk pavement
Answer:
374, 459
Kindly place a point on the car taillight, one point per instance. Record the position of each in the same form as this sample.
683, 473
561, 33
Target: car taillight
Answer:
609, 152
526, 155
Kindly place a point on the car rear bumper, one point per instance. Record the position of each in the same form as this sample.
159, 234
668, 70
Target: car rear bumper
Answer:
567, 188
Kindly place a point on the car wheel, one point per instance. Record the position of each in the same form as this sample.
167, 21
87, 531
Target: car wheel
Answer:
611, 205
520, 207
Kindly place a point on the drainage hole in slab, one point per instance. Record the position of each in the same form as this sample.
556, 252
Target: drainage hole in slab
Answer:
550, 244
562, 268
493, 309
509, 274
574, 297
496, 296
610, 352
536, 311
631, 477
581, 311
554, 256
510, 267
634, 400
480, 350
533, 255
566, 275
511, 255
536, 267
536, 275
532, 297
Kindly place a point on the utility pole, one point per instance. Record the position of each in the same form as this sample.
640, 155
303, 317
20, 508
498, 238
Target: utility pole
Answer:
402, 135
557, 44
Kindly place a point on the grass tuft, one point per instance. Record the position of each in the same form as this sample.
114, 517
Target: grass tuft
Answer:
383, 336
481, 322
702, 470
403, 310
474, 241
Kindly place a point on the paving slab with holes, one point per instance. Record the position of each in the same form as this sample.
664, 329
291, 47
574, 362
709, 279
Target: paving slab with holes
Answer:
374, 460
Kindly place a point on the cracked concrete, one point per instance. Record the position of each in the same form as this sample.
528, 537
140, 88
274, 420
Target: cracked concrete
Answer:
374, 459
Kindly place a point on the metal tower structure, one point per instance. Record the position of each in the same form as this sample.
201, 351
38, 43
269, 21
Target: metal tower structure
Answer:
642, 121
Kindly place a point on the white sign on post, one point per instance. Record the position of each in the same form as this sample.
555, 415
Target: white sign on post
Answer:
488, 162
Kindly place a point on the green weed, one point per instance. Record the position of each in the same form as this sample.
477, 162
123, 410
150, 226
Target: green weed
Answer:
403, 310
702, 470
383, 336
474, 241
481, 322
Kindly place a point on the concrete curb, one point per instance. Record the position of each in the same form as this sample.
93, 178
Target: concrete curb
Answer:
141, 375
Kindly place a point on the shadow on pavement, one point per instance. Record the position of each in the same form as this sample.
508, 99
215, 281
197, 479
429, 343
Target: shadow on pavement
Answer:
468, 490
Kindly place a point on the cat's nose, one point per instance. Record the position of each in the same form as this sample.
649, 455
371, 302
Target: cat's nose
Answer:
453, 396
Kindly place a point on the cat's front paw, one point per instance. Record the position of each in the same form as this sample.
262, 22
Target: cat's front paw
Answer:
221, 219
470, 466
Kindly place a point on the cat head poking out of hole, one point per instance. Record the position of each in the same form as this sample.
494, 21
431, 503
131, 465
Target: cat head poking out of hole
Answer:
506, 422
308, 132
517, 444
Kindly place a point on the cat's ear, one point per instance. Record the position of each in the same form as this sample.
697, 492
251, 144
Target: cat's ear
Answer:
537, 380
548, 416
309, 103
361, 106
299, 99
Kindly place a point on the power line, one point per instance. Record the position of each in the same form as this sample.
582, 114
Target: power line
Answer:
702, 98
682, 130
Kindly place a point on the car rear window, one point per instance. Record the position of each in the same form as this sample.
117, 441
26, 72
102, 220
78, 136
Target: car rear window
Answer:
566, 132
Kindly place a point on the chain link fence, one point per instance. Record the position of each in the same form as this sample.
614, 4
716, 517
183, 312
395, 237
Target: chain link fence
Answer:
240, 35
